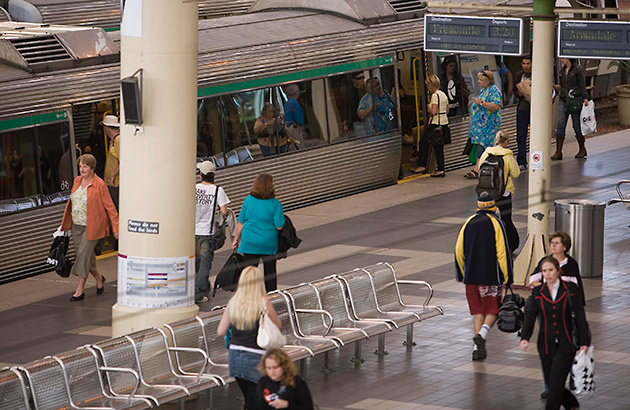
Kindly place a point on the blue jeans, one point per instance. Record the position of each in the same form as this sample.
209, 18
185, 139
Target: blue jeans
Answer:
563, 118
269, 151
522, 123
204, 253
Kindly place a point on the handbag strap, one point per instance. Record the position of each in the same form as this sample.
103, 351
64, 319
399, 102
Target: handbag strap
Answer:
214, 208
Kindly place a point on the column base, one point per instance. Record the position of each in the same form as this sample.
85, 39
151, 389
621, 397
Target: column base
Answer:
127, 319
535, 249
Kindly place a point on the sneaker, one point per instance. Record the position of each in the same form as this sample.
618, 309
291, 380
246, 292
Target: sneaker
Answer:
522, 167
481, 347
202, 300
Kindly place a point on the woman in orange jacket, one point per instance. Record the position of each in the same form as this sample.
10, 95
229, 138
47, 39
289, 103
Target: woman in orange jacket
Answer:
88, 213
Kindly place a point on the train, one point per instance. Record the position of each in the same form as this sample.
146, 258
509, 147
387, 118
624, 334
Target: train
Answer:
53, 100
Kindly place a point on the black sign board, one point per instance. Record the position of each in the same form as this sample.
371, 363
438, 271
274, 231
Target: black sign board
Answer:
594, 39
143, 227
507, 36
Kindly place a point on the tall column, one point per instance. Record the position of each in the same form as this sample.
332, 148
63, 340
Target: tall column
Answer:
539, 142
157, 167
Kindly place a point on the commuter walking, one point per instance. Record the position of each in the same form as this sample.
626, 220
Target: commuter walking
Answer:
483, 262
208, 198
438, 109
241, 315
259, 221
555, 302
88, 213
522, 90
573, 94
485, 119
510, 171
281, 387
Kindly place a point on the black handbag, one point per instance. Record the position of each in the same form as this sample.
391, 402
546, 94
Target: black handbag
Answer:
436, 132
510, 318
573, 105
57, 256
230, 273
468, 147
218, 237
575, 340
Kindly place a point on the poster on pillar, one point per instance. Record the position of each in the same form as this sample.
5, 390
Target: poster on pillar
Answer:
156, 282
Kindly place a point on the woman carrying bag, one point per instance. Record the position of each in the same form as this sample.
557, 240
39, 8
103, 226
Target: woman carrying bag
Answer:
560, 304
242, 315
438, 127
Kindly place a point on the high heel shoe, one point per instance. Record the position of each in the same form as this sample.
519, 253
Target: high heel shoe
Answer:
440, 175
77, 298
99, 291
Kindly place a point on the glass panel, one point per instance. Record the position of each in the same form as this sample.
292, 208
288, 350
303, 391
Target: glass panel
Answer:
344, 93
304, 108
18, 175
210, 131
377, 107
55, 163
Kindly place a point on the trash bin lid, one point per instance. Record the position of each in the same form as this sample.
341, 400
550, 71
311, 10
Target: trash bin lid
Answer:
579, 204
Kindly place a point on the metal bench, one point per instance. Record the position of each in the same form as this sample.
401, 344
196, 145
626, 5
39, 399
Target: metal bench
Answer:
120, 352
389, 298
13, 394
622, 199
190, 334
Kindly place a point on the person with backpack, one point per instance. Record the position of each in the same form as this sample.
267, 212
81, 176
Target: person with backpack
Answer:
498, 168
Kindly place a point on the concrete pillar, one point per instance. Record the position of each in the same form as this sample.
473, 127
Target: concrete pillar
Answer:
157, 167
540, 143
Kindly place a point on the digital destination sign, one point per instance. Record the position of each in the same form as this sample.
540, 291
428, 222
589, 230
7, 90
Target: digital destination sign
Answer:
594, 39
480, 35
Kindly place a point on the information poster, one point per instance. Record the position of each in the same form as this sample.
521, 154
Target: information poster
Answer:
156, 282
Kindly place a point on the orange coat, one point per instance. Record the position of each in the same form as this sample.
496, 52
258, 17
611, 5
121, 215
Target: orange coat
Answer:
99, 206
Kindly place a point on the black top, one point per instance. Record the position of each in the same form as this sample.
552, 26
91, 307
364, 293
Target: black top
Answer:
573, 81
299, 397
570, 269
246, 338
556, 323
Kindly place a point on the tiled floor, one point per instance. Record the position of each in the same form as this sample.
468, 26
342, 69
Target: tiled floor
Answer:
413, 226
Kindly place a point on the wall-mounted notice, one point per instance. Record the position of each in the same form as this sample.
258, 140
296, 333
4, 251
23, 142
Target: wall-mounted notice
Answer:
143, 227
593, 39
481, 35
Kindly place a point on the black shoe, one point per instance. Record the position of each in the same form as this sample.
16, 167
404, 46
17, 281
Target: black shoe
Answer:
99, 291
480, 342
440, 175
544, 394
77, 298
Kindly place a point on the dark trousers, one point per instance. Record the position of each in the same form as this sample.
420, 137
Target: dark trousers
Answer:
249, 392
505, 208
556, 368
522, 124
269, 263
423, 155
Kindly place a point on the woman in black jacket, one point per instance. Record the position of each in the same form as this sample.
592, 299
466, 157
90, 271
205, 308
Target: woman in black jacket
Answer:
555, 347
281, 387
572, 86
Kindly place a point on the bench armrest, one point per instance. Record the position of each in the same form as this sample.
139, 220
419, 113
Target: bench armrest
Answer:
191, 350
319, 312
123, 370
421, 283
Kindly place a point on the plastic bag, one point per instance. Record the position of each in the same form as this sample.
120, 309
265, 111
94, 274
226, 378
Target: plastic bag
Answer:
583, 372
587, 119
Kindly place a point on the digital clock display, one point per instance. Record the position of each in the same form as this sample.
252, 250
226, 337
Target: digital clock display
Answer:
504, 32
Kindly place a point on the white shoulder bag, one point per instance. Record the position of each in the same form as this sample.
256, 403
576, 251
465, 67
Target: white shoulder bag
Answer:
269, 336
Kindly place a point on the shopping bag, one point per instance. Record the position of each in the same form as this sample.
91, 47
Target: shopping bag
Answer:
583, 372
587, 119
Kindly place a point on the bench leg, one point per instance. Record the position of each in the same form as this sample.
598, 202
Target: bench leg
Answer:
409, 342
209, 394
181, 404
381, 345
357, 359
303, 368
326, 368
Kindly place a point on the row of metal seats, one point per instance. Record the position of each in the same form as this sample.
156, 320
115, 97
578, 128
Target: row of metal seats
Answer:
236, 156
12, 205
136, 371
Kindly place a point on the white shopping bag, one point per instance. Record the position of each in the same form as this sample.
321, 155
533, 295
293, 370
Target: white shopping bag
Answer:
587, 119
582, 373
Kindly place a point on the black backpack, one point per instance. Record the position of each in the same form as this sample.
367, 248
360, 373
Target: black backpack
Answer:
510, 318
230, 273
491, 178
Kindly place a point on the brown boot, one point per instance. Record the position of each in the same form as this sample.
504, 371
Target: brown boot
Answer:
559, 142
582, 152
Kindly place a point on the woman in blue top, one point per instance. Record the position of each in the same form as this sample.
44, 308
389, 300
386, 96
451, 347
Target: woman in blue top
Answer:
485, 119
259, 221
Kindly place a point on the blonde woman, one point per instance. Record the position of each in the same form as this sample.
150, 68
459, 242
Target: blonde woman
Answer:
241, 316
438, 110
510, 171
281, 387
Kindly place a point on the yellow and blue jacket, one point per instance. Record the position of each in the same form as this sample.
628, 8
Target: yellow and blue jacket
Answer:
482, 255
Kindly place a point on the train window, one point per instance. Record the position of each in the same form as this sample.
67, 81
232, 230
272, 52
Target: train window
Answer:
55, 164
18, 174
304, 109
377, 107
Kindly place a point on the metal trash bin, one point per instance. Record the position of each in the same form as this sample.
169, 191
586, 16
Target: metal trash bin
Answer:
584, 221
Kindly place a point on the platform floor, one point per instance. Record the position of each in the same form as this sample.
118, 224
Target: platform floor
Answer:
413, 226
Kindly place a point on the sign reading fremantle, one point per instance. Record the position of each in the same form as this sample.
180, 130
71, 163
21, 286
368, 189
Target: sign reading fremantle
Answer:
593, 39
156, 282
480, 35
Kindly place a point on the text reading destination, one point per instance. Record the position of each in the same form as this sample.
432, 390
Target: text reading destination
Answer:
593, 39
457, 30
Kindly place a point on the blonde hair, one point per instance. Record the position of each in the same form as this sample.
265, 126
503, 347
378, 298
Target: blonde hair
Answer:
501, 137
433, 82
488, 74
248, 302
282, 358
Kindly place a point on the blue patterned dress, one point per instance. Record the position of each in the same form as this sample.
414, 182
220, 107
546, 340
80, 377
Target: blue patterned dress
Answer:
484, 123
